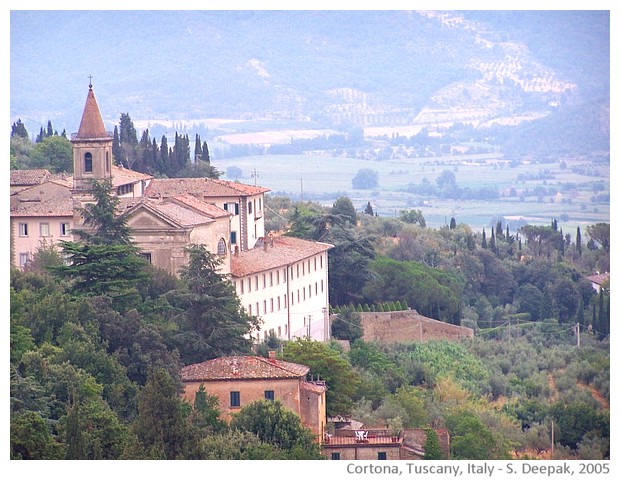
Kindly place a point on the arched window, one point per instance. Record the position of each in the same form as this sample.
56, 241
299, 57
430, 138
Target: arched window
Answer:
249, 207
221, 247
88, 163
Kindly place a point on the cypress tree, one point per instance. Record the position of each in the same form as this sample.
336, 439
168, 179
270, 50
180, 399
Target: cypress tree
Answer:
205, 153
484, 239
19, 129
578, 242
164, 155
116, 147
197, 149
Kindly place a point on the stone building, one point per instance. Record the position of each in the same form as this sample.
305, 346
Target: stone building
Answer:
281, 280
238, 381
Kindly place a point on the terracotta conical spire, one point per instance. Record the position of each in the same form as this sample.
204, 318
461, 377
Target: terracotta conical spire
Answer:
91, 125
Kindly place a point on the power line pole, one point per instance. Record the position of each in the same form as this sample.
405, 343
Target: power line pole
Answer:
255, 175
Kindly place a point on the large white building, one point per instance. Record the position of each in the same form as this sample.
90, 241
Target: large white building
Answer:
282, 280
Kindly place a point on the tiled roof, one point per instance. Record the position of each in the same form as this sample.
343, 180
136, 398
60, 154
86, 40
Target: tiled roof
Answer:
599, 278
242, 367
176, 213
91, 126
313, 387
280, 251
124, 176
199, 188
203, 207
30, 177
50, 199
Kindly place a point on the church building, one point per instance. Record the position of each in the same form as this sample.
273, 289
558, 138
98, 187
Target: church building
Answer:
282, 280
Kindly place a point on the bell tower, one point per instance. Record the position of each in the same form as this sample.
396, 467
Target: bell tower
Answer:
92, 148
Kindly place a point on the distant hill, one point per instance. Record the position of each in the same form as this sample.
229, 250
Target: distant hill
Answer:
323, 68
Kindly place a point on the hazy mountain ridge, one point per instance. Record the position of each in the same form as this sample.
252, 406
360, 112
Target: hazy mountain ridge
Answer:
325, 67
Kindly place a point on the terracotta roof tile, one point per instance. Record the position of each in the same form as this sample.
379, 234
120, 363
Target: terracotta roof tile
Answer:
199, 188
282, 251
30, 177
599, 278
123, 176
50, 199
176, 213
242, 367
313, 387
91, 126
203, 207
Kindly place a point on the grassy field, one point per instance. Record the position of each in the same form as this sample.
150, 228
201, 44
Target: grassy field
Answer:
325, 178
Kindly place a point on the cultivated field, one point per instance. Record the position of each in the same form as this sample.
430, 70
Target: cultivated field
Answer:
324, 178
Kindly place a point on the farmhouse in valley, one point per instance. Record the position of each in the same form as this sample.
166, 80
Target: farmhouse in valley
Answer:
282, 280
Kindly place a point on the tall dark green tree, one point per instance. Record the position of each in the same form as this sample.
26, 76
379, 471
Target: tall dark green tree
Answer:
117, 152
197, 148
213, 323
105, 262
161, 428
19, 129
578, 246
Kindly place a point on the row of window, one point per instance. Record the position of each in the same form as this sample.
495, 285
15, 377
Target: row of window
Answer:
279, 276
235, 397
44, 229
380, 455
234, 207
280, 302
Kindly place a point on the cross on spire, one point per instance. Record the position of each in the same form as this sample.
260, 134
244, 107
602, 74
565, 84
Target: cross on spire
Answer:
90, 81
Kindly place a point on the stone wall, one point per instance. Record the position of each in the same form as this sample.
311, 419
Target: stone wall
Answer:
408, 326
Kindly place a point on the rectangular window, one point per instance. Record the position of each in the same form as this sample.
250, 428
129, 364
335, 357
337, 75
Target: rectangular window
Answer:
23, 259
249, 284
235, 399
147, 257
250, 309
271, 303
271, 279
336, 456
269, 395
23, 229
258, 309
256, 282
278, 277
279, 303
241, 284
315, 264
44, 229
381, 456
321, 262
64, 229
264, 306
264, 280
233, 237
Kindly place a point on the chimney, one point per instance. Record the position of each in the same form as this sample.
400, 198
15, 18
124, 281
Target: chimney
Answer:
272, 354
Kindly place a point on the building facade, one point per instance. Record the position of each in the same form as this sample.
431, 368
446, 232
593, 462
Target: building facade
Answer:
282, 280
238, 381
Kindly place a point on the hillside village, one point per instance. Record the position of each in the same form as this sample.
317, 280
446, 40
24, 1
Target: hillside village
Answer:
283, 282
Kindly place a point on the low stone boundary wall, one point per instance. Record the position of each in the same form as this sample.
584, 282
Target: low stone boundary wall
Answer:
408, 326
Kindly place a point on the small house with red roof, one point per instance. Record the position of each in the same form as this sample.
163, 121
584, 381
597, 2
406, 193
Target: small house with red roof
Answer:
238, 381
